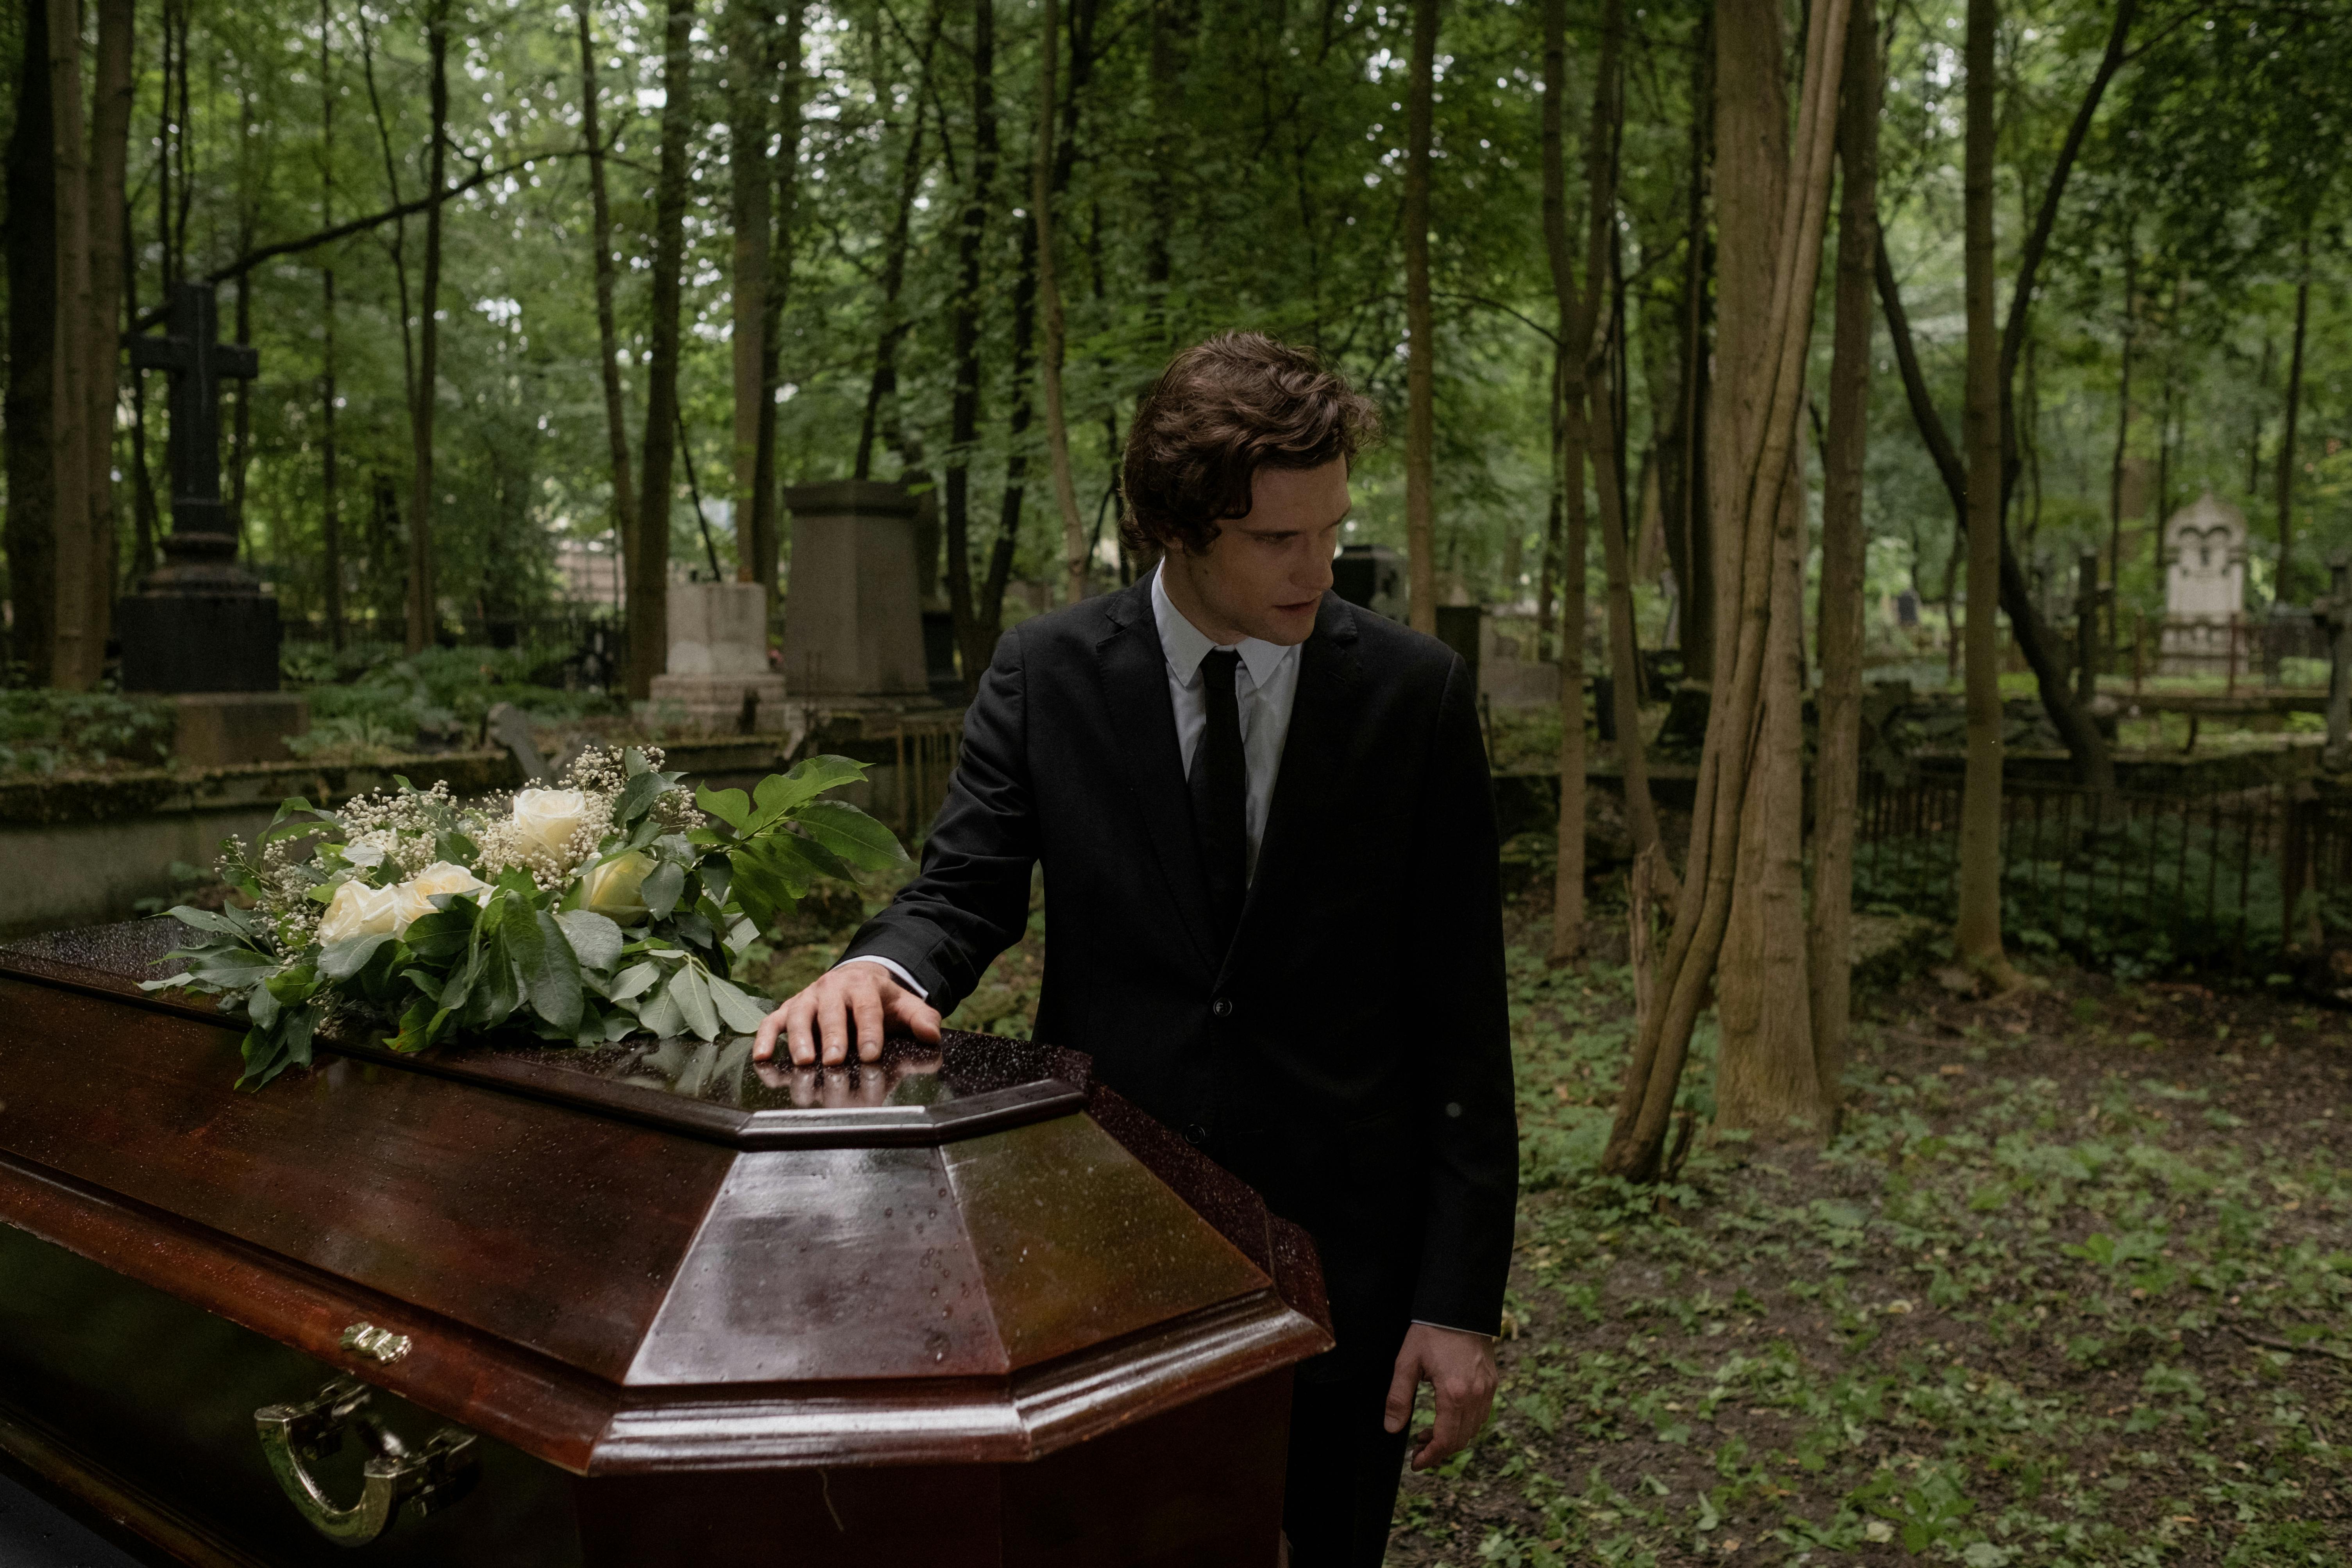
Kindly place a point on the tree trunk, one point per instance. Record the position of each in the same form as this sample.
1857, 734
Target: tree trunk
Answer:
71, 434
1605, 430
1977, 935
2123, 437
649, 564
616, 427
1742, 898
1567, 492
972, 634
109, 152
764, 532
2094, 768
749, 54
1689, 542
2285, 578
884, 383
1049, 290
31, 412
330, 527
1837, 746
1420, 385
424, 597
142, 483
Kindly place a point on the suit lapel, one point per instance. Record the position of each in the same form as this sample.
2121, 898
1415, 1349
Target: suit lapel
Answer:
1134, 672
1313, 752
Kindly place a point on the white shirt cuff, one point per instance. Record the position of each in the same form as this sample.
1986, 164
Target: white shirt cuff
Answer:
1450, 1329
898, 973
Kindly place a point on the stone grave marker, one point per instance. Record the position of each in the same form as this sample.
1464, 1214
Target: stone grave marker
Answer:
2204, 585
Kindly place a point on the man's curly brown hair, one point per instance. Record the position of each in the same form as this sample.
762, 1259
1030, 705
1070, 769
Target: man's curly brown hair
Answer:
1218, 413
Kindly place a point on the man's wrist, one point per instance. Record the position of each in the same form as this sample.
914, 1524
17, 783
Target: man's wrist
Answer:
898, 971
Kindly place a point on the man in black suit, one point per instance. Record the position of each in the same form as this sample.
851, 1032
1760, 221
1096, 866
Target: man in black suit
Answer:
1272, 891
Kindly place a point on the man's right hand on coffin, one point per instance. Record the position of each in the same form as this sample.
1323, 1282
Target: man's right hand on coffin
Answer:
854, 1003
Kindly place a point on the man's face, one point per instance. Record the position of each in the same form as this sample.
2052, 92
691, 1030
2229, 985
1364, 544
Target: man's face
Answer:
1265, 573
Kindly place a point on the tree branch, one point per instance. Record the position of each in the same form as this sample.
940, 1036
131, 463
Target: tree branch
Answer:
252, 258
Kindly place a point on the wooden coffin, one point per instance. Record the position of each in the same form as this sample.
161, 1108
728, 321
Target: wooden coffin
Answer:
624, 1307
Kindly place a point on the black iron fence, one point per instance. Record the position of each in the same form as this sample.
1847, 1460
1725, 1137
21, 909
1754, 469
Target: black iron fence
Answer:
2252, 883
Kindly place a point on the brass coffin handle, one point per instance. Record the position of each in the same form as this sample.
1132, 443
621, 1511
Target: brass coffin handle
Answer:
426, 1478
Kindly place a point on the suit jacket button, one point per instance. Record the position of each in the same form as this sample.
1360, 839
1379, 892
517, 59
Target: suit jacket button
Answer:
1223, 1007
1196, 1135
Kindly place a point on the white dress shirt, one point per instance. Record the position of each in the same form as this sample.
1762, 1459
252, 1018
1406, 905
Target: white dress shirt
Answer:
1266, 687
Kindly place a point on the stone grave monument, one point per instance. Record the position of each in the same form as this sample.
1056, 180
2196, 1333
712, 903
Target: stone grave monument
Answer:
853, 618
200, 627
2204, 585
718, 675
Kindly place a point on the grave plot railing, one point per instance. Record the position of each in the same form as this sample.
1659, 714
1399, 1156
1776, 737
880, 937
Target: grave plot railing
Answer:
924, 753
2250, 883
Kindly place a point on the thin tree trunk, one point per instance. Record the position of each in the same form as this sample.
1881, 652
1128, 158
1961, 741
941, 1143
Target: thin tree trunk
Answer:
1567, 521
1420, 382
2285, 492
649, 564
1689, 545
884, 383
1745, 866
1838, 743
330, 523
1049, 289
143, 482
71, 432
2094, 768
764, 531
2123, 434
972, 631
110, 156
423, 599
1976, 934
616, 427
1605, 430
750, 55
31, 412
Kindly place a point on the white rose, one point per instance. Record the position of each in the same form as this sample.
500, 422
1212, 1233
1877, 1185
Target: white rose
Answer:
615, 889
358, 910
416, 895
545, 819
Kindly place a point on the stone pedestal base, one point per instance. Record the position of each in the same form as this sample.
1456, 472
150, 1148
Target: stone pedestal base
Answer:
713, 704
221, 728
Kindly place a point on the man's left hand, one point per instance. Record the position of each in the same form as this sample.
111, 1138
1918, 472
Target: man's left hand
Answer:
1460, 1367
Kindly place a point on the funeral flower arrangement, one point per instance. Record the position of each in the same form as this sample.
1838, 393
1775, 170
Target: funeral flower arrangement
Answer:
610, 906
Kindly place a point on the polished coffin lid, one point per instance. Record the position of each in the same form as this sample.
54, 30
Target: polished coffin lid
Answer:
651, 1258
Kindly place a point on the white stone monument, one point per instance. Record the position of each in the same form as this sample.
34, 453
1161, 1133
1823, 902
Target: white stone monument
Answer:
853, 615
2204, 585
719, 660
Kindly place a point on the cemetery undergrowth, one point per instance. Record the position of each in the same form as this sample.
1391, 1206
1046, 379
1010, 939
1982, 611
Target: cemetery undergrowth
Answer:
2070, 1287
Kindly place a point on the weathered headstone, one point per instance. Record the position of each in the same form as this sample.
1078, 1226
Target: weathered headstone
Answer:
1371, 576
852, 621
200, 626
2333, 614
719, 671
2204, 585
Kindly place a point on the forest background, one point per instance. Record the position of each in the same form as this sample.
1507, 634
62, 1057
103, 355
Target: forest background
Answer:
1215, 164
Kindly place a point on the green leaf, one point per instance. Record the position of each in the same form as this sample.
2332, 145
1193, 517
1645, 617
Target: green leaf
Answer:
444, 934
660, 1016
738, 1011
851, 835
780, 792
343, 960
638, 796
456, 849
761, 891
549, 973
732, 807
225, 922
594, 939
228, 968
634, 980
691, 993
662, 888
297, 816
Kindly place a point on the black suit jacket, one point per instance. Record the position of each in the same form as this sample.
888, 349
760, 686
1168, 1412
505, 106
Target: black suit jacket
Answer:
1350, 1054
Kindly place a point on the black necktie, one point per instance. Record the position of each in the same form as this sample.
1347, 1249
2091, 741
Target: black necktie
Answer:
1220, 787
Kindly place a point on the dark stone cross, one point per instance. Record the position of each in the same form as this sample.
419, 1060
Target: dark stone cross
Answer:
197, 362
200, 622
